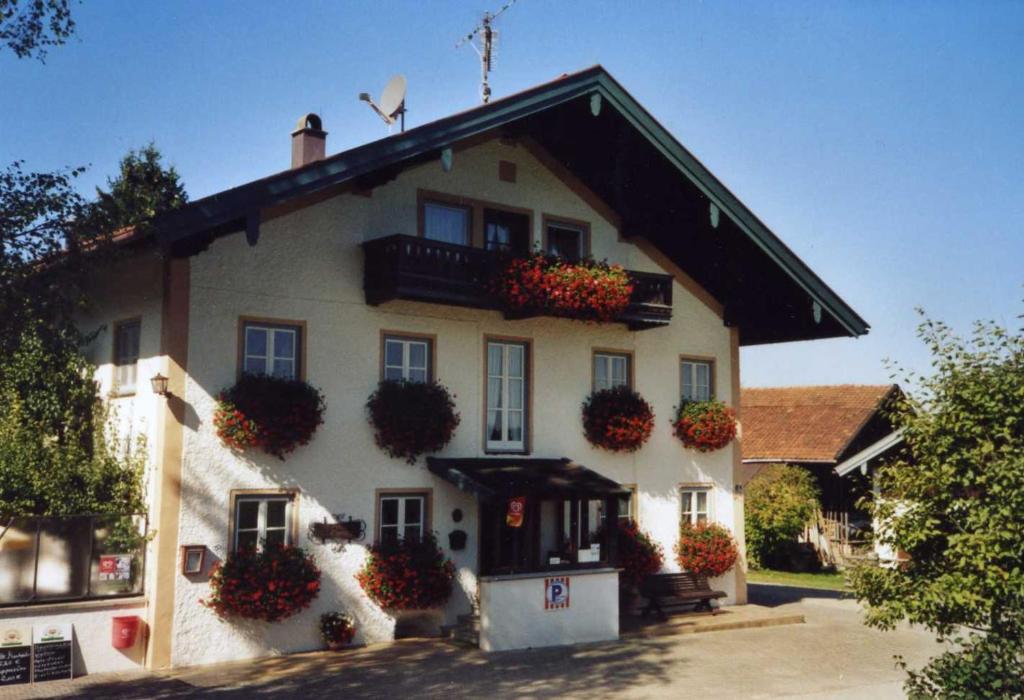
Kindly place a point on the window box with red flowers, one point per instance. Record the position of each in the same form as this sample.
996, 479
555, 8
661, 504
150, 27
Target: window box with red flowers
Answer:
585, 290
269, 585
407, 574
618, 419
704, 425
273, 414
705, 549
412, 418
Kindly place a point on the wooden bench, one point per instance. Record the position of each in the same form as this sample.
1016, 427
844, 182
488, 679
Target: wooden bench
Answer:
686, 588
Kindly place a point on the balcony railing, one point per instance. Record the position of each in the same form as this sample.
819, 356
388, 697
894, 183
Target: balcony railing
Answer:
419, 269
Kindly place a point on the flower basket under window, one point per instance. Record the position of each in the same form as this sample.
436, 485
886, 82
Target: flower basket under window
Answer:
585, 290
705, 425
274, 414
705, 549
412, 418
268, 585
617, 419
639, 555
409, 574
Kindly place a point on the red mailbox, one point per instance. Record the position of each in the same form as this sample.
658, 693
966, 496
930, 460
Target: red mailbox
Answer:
125, 629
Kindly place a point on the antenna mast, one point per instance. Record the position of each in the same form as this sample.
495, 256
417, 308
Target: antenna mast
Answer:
488, 36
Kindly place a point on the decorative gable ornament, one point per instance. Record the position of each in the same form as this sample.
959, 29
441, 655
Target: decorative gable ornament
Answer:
446, 160
714, 211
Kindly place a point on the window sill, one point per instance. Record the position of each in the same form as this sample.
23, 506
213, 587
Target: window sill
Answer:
127, 601
121, 394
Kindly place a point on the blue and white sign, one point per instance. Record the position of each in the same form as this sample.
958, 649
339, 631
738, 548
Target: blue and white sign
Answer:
556, 593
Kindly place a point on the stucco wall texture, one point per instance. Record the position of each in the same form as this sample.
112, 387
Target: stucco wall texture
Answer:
308, 266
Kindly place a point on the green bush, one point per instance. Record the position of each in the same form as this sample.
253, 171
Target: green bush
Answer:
780, 500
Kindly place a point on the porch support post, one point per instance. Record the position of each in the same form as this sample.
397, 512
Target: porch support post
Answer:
612, 520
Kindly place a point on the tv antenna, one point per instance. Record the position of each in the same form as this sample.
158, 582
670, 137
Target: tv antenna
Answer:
488, 38
392, 102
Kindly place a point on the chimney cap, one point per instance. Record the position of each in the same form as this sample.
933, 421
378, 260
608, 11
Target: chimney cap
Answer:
309, 122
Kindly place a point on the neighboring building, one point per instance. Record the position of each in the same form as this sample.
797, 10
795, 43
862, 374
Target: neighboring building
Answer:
835, 432
373, 262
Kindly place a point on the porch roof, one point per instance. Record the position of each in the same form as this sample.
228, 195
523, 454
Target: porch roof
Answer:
490, 477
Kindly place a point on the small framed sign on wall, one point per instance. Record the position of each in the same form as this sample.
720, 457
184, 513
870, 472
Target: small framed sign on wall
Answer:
193, 559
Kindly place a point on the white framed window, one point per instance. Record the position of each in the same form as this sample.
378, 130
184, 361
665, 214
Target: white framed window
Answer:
506, 396
401, 516
262, 520
449, 223
695, 380
407, 358
611, 370
695, 504
566, 240
126, 355
272, 349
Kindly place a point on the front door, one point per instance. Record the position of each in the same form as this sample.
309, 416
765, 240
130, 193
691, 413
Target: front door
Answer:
506, 232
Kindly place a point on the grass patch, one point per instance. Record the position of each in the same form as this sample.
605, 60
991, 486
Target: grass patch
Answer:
824, 580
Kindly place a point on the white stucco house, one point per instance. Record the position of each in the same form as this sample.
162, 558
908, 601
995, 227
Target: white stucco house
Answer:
369, 263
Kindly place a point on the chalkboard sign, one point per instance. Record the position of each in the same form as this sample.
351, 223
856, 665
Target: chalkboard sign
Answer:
15, 664
52, 662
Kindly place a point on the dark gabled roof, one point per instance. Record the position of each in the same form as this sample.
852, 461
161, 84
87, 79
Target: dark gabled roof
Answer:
661, 191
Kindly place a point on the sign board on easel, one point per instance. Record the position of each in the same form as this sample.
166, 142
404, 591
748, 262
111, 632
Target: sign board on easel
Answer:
51, 652
15, 654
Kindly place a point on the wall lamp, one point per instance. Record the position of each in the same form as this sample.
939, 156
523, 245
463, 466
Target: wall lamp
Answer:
159, 384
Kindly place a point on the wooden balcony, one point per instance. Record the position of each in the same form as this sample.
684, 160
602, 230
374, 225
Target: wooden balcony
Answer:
418, 269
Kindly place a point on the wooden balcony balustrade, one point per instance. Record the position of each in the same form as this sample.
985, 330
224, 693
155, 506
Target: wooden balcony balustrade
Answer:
420, 269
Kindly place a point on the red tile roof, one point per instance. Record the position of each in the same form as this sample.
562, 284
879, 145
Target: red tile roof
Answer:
806, 423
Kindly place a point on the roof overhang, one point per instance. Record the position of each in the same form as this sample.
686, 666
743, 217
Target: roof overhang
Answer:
524, 476
589, 123
872, 451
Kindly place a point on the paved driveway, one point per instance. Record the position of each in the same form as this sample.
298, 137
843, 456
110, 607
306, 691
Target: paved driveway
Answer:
831, 656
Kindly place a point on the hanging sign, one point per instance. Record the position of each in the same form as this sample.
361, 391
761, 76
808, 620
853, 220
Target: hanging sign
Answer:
15, 654
556, 593
51, 652
516, 508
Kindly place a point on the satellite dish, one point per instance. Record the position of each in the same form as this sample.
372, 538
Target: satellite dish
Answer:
392, 101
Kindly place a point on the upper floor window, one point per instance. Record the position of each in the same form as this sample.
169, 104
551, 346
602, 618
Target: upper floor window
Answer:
262, 520
694, 504
566, 240
695, 380
611, 370
449, 223
402, 516
272, 348
407, 358
505, 231
506, 395
126, 355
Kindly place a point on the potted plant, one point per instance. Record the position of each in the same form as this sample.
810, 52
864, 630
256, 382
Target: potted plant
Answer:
337, 629
704, 425
618, 419
705, 549
270, 585
271, 413
639, 557
412, 418
544, 284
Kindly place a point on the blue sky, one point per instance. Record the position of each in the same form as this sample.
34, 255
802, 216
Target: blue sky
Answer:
881, 141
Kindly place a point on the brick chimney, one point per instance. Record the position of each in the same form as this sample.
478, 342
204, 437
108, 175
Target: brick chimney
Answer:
309, 141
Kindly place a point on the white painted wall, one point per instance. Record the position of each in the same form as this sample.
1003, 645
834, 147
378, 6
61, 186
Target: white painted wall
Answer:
308, 266
513, 616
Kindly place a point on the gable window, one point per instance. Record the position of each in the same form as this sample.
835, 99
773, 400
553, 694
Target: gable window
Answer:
126, 355
262, 520
506, 396
695, 380
272, 348
611, 370
402, 516
693, 502
449, 223
408, 358
566, 240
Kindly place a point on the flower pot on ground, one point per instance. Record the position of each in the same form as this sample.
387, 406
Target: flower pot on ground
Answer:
543, 284
639, 557
704, 425
268, 585
337, 629
618, 419
271, 413
706, 549
410, 419
407, 574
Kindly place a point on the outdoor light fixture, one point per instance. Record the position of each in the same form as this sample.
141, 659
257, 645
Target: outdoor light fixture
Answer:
159, 384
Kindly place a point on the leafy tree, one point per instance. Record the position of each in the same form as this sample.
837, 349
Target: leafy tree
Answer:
27, 27
954, 502
779, 502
